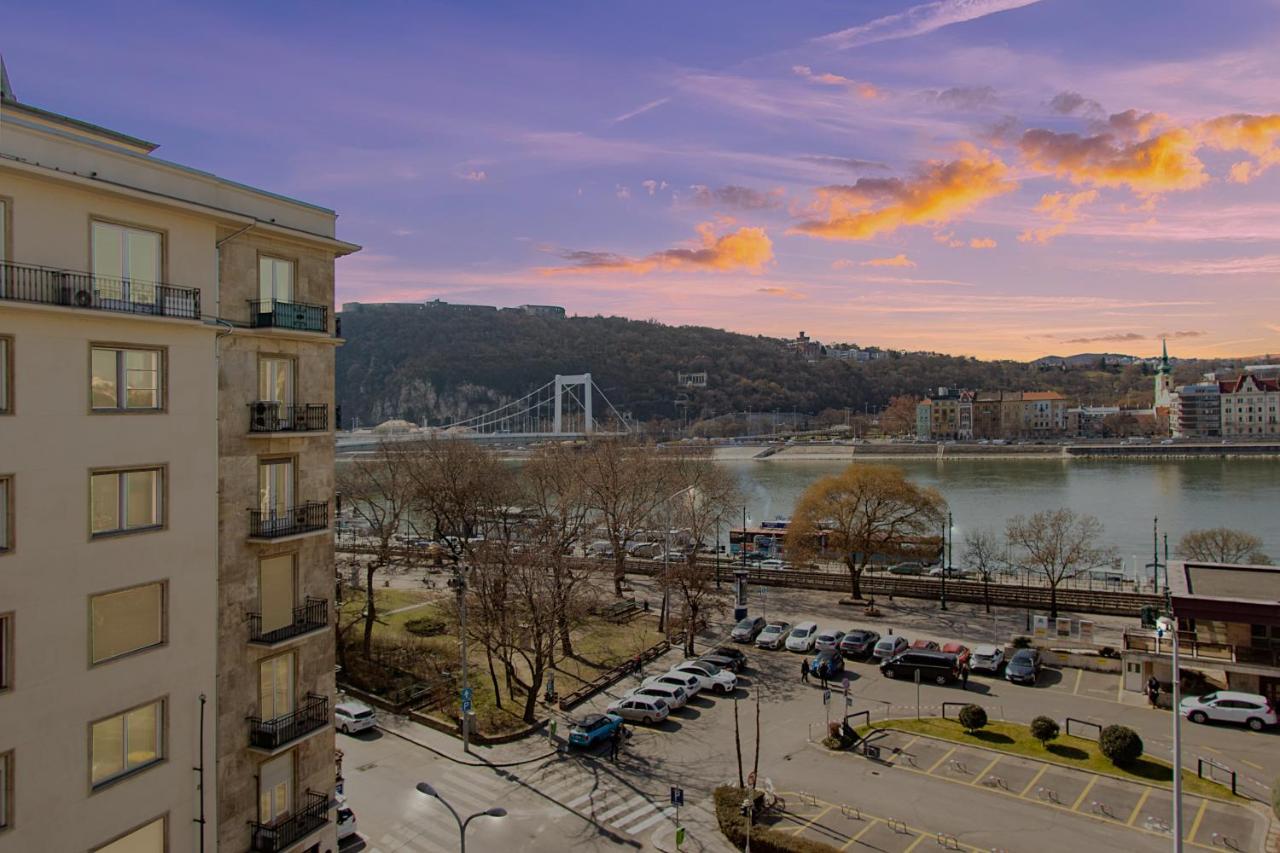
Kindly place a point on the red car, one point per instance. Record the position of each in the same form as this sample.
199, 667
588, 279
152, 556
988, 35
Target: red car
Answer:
929, 645
960, 650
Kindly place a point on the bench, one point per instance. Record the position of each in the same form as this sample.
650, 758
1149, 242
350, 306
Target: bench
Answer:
619, 610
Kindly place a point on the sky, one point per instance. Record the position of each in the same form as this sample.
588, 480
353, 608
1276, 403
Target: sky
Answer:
996, 178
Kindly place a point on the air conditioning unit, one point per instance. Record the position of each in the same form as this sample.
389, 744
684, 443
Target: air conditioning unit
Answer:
83, 297
265, 415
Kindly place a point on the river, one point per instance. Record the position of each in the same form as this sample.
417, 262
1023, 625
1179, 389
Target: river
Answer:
1185, 494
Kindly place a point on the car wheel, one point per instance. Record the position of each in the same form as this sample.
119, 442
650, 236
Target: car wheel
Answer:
344, 729
1256, 724
1198, 717
888, 673
648, 721
940, 679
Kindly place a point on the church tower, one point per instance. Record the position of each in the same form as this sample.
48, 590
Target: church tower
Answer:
1164, 378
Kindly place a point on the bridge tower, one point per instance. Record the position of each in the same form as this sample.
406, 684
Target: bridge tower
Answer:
574, 381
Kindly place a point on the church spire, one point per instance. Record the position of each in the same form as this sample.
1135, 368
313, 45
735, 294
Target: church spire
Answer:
1164, 355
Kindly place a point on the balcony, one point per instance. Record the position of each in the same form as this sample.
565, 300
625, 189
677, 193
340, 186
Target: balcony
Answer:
310, 814
298, 316
49, 286
1191, 648
310, 716
311, 615
269, 416
290, 521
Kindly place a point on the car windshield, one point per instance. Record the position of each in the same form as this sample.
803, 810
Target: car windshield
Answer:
1208, 697
710, 668
746, 623
801, 632
1024, 656
772, 629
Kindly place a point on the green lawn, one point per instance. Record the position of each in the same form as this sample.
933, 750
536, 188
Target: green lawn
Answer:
1066, 750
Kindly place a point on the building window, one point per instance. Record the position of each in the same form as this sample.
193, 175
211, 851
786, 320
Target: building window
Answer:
126, 500
275, 789
275, 281
6, 651
148, 838
275, 379
6, 351
126, 263
277, 591
6, 514
275, 487
275, 687
126, 743
6, 789
126, 379
126, 621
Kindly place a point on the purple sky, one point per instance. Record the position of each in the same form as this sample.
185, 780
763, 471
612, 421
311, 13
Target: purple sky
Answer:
959, 175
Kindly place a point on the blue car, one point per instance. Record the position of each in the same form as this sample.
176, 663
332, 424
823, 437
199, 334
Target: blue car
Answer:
593, 729
830, 661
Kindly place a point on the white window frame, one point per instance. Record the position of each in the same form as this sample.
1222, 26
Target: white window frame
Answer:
269, 496
272, 813
269, 285
122, 378
122, 505
270, 711
123, 718
267, 389
140, 291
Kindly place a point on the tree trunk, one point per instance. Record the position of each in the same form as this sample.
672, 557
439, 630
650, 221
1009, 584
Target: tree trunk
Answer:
1053, 599
689, 629
370, 610
855, 578
619, 570
737, 741
510, 672
566, 641
493, 676
531, 700
986, 590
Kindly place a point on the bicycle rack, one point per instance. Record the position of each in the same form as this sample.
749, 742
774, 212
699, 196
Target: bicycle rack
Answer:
958, 766
1048, 795
1155, 824
1227, 841
995, 782
948, 842
851, 812
1099, 807
898, 826
810, 799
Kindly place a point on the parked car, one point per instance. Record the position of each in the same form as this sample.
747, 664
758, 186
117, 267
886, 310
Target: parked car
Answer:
640, 709
689, 682
986, 658
710, 676
960, 650
673, 694
939, 571
773, 635
858, 643
906, 569
801, 637
832, 660
774, 564
925, 645
828, 639
351, 715
747, 630
1230, 706
938, 667
887, 647
346, 818
1024, 667
733, 653
593, 729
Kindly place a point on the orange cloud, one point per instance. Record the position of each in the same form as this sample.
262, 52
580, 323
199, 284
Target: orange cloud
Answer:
1060, 207
784, 292
937, 193
1165, 162
863, 90
982, 243
1256, 135
747, 249
898, 260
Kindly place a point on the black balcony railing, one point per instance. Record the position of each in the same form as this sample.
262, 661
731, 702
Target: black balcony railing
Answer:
311, 615
274, 523
49, 286
299, 316
311, 813
312, 714
271, 416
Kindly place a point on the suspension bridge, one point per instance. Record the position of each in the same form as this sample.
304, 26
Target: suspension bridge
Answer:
568, 407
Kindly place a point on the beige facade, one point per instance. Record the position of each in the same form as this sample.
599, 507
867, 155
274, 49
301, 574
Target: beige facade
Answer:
140, 391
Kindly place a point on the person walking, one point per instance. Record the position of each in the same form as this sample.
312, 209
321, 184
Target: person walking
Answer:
1153, 690
615, 744
822, 674
804, 671
964, 676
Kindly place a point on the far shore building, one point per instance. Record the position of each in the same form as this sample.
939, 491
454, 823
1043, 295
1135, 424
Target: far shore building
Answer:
961, 415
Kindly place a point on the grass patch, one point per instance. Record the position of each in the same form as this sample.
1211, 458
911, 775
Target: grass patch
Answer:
1067, 750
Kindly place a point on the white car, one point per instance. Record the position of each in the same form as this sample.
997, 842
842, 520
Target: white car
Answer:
828, 640
691, 683
1229, 706
674, 695
773, 635
887, 647
773, 565
641, 709
351, 715
802, 636
346, 821
986, 658
710, 676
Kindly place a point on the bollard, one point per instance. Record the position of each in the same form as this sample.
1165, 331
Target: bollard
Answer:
850, 812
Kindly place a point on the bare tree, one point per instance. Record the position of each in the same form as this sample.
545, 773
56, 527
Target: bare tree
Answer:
863, 512
985, 553
377, 491
625, 482
1060, 544
1222, 545
458, 488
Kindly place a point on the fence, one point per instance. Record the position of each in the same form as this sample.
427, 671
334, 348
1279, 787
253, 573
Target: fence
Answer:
612, 676
1201, 763
1079, 723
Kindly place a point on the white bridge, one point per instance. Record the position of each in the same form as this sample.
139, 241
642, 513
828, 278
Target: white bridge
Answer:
566, 407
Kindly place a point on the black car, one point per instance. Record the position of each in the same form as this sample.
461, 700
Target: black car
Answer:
726, 657
938, 667
1024, 667
858, 643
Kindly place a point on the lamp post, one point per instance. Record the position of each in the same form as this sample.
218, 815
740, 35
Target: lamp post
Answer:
946, 561
495, 811
1169, 624
459, 584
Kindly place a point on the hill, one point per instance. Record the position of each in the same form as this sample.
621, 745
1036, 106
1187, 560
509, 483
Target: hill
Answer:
437, 363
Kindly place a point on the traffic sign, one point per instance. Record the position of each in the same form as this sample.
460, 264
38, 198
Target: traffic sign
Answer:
844, 682
466, 700
826, 697
677, 796
873, 751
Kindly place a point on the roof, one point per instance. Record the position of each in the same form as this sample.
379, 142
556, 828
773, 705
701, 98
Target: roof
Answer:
1234, 386
1226, 591
1042, 395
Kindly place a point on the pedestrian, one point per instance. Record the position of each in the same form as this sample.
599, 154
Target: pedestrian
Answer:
804, 670
1153, 690
964, 676
822, 673
615, 744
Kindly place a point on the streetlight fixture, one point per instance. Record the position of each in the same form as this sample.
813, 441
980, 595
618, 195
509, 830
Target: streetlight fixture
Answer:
1169, 625
495, 811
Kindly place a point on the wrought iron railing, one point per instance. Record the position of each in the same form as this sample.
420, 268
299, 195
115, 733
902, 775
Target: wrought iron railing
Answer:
311, 615
312, 714
1189, 646
274, 523
311, 813
272, 416
299, 316
50, 286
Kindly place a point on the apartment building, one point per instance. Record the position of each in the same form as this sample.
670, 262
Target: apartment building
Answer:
166, 383
1250, 406
962, 415
946, 416
1196, 411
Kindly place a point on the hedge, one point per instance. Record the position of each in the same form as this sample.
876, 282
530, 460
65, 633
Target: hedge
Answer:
763, 840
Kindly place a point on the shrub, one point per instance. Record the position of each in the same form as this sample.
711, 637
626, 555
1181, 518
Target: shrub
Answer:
1021, 642
1121, 744
763, 840
973, 717
425, 626
1044, 729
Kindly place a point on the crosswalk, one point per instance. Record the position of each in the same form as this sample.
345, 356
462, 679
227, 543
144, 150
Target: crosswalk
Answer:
557, 790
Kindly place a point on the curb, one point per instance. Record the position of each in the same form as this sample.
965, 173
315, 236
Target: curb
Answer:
456, 760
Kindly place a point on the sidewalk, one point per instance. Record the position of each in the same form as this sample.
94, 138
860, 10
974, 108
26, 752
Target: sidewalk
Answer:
532, 748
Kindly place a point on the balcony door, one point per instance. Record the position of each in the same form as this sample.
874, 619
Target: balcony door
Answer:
275, 789
275, 283
126, 264
275, 380
275, 488
275, 687
277, 591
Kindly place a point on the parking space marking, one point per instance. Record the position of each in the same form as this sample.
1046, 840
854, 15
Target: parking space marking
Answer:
1079, 675
916, 843
1034, 779
902, 750
944, 757
1195, 824
811, 821
872, 820
1137, 809
1080, 799
977, 779
861, 832
1251, 764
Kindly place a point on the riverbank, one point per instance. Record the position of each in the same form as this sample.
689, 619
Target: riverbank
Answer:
920, 451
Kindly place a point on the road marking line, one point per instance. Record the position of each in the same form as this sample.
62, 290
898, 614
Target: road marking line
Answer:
577, 801
985, 771
1137, 809
938, 763
652, 819
916, 843
1084, 793
1195, 824
640, 812
1034, 779
811, 821
903, 749
861, 832
1251, 764
1075, 691
605, 815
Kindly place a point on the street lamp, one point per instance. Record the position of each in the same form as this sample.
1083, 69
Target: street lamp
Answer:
1169, 625
946, 562
495, 811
